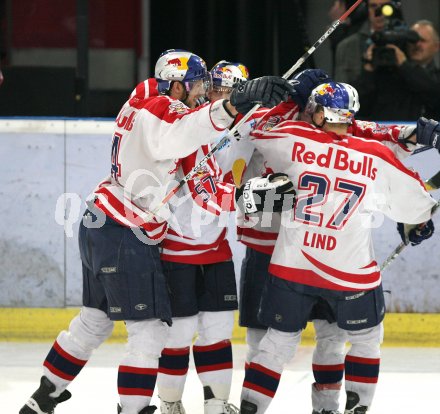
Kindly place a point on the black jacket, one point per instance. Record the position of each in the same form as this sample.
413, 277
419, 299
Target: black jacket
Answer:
399, 93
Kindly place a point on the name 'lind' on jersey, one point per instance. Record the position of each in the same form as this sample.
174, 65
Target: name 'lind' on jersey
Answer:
340, 102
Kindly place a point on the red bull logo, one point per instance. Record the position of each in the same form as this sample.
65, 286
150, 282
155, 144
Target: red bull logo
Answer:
271, 123
326, 89
244, 71
181, 63
226, 70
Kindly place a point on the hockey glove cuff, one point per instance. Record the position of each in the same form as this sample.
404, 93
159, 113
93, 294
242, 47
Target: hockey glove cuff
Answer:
428, 132
274, 193
415, 234
406, 134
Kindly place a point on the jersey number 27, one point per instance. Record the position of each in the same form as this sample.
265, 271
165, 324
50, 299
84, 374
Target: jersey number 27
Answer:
306, 210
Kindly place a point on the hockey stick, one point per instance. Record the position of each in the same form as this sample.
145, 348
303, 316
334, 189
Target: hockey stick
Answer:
226, 134
432, 184
423, 149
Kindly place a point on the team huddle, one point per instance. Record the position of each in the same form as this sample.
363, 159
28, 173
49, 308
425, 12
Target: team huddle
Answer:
303, 179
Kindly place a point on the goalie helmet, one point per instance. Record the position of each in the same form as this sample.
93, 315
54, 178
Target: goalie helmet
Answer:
181, 66
340, 102
227, 74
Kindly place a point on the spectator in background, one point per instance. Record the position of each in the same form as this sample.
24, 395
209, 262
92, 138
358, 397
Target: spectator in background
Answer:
407, 89
348, 27
349, 52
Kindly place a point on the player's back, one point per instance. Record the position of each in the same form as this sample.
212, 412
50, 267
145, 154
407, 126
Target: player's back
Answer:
340, 181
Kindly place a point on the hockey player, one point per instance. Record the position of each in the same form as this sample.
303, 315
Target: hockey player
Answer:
122, 273
338, 179
198, 267
259, 232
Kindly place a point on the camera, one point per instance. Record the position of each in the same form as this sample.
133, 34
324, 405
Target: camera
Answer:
396, 32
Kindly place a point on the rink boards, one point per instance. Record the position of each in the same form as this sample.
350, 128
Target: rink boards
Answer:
47, 169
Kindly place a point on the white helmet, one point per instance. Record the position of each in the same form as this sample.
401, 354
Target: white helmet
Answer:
182, 66
227, 74
339, 100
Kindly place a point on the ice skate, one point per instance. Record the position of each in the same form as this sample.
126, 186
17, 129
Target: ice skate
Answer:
172, 407
352, 406
41, 402
247, 407
217, 406
147, 410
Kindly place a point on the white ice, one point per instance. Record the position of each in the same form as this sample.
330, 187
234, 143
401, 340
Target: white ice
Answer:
409, 381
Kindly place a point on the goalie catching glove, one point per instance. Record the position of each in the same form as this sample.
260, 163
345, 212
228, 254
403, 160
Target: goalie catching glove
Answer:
272, 193
415, 233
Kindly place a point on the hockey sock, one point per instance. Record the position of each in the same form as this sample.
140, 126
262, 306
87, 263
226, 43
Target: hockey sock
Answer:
61, 367
137, 372
214, 367
73, 348
253, 339
136, 385
326, 389
260, 385
361, 376
327, 375
263, 375
173, 368
325, 396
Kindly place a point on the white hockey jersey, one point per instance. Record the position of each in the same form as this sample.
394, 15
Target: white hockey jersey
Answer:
151, 134
200, 214
235, 159
341, 181
260, 231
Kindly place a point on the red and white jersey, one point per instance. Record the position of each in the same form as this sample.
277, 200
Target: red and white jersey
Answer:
387, 135
200, 211
151, 134
341, 181
260, 231
235, 159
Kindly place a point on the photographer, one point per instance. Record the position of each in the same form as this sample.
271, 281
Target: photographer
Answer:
350, 51
391, 67
399, 80
349, 26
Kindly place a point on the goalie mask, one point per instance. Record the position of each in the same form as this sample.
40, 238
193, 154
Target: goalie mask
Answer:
227, 74
340, 102
181, 66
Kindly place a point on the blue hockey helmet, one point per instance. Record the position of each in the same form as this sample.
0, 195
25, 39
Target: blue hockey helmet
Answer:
340, 102
227, 74
181, 66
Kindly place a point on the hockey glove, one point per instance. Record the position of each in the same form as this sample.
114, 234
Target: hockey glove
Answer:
274, 193
415, 234
266, 91
308, 80
428, 132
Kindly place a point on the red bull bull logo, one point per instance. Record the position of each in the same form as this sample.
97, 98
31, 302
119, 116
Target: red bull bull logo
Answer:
181, 63
326, 89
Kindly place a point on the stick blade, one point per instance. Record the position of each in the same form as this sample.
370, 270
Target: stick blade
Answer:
433, 183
